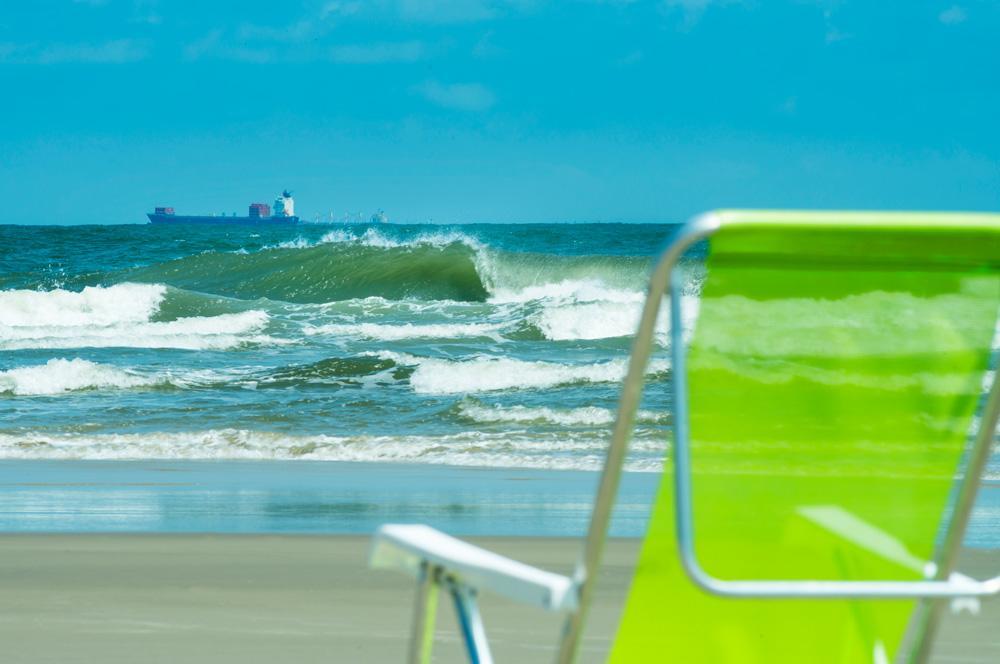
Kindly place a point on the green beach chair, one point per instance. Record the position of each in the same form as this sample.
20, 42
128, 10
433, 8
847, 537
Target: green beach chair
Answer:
834, 411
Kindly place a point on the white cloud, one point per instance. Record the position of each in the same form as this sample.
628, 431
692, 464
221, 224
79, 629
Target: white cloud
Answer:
485, 48
426, 11
308, 38
294, 32
631, 58
459, 96
953, 15
213, 45
118, 51
689, 5
694, 9
833, 33
339, 8
410, 51
147, 19
144, 11
277, 47
195, 50
446, 11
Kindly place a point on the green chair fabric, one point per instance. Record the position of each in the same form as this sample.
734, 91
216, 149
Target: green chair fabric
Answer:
834, 372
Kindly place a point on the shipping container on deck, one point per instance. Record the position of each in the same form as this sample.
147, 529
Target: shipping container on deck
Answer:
260, 210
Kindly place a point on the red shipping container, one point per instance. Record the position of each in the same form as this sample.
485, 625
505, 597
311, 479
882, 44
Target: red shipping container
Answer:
260, 210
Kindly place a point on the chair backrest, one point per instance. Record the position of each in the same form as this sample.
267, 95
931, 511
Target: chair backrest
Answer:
833, 375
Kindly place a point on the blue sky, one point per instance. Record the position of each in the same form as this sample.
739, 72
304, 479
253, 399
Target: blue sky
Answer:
491, 110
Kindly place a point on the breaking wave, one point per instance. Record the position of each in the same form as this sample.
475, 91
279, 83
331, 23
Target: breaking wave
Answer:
386, 332
585, 416
92, 306
202, 301
470, 448
484, 315
61, 375
327, 272
118, 316
433, 266
489, 374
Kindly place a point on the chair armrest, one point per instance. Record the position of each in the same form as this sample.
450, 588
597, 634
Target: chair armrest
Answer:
408, 547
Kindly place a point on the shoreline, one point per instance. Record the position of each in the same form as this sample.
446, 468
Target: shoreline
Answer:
334, 497
248, 561
326, 497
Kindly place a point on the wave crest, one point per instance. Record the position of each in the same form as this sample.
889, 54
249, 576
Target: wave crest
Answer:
92, 306
489, 374
584, 416
60, 375
446, 265
470, 448
329, 271
385, 332
118, 316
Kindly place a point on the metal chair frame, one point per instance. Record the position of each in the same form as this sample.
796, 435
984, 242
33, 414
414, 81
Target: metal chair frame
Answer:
666, 279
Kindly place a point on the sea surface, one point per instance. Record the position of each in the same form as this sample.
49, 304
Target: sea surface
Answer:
476, 345
132, 355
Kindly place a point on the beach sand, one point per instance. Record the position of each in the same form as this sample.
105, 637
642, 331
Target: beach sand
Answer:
305, 598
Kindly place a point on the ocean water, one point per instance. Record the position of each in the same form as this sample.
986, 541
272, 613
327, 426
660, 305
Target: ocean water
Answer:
406, 348
474, 345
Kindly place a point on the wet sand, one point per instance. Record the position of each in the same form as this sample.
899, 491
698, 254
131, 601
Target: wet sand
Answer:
274, 598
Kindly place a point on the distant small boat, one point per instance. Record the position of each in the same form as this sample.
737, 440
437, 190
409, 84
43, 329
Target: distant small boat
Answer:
259, 213
379, 218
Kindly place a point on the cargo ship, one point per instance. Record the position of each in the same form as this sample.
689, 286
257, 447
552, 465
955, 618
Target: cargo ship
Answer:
259, 213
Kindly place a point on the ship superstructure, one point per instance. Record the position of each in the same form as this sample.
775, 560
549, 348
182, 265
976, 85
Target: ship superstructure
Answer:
258, 213
284, 205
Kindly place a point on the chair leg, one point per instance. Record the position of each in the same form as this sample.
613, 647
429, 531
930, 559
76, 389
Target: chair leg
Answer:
424, 615
470, 621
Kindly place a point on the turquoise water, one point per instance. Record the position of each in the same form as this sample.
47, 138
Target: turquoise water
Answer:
184, 356
332, 497
480, 345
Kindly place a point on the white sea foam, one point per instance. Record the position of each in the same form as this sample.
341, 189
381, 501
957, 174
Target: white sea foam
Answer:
373, 237
595, 320
570, 309
331, 237
93, 306
297, 243
335, 236
487, 374
60, 375
585, 416
552, 450
568, 290
116, 316
195, 333
563, 321
471, 448
382, 332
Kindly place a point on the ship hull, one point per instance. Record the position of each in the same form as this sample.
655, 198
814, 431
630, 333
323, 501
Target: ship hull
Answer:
219, 221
